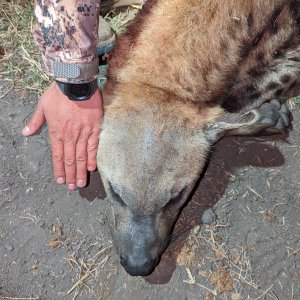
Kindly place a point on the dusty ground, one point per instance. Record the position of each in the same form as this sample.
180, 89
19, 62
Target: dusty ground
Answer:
54, 243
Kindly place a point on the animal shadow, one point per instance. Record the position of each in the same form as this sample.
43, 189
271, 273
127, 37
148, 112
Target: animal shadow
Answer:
228, 155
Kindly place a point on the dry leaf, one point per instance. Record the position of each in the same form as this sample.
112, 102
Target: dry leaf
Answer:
54, 243
186, 257
222, 280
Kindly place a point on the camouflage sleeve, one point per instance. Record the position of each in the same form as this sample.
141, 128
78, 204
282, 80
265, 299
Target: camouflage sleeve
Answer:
67, 35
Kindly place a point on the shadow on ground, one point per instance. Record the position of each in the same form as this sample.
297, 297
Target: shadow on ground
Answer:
228, 155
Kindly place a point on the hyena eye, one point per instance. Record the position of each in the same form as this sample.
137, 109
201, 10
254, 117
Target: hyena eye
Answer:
175, 200
115, 196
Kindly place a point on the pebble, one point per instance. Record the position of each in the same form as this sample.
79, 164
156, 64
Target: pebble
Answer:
208, 216
9, 247
42, 224
35, 165
236, 296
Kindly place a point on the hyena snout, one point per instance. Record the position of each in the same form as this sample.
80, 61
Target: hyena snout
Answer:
138, 265
141, 249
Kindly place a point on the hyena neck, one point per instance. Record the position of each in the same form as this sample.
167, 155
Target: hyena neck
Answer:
189, 49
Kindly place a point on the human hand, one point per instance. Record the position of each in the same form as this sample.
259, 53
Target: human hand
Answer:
74, 128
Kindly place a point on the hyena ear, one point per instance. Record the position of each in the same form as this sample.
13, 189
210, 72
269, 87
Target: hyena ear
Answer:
270, 117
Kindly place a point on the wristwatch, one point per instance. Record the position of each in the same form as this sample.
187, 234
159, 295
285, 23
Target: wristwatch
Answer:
78, 91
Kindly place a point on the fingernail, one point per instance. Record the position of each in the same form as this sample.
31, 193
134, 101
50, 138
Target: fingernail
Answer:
60, 180
26, 130
91, 168
80, 183
71, 187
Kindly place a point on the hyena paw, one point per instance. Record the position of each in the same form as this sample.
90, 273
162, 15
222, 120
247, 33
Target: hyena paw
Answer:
274, 116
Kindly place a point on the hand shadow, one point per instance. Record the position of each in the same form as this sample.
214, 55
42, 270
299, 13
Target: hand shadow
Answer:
94, 189
228, 155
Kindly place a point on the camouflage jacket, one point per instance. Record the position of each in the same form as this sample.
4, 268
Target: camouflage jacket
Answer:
67, 35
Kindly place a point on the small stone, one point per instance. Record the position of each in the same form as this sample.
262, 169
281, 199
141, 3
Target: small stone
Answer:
35, 165
42, 224
208, 216
236, 296
9, 247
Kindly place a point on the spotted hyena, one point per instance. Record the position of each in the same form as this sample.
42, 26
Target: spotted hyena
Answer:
187, 73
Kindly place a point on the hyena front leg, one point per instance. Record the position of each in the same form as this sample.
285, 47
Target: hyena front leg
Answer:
271, 117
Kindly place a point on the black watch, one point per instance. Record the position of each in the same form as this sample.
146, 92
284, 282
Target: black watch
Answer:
78, 91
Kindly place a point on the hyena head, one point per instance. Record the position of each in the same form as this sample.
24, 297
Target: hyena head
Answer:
149, 160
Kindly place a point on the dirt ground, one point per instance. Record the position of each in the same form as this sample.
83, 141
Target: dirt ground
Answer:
54, 244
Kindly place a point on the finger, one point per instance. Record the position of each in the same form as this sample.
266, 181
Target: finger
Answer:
93, 143
57, 149
81, 161
70, 159
36, 122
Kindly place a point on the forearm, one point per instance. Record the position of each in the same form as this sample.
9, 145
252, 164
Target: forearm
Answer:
67, 33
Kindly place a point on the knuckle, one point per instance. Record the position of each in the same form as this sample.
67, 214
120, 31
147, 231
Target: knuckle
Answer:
95, 131
68, 136
82, 138
55, 134
69, 161
57, 157
92, 147
81, 158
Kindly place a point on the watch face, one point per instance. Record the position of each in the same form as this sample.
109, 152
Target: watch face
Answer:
79, 91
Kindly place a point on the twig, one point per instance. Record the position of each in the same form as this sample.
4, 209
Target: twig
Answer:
89, 273
294, 252
80, 281
252, 190
192, 281
265, 293
206, 288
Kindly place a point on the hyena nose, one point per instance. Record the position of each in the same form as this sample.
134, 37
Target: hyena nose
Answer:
137, 266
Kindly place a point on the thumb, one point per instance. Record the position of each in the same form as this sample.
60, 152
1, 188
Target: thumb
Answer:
37, 121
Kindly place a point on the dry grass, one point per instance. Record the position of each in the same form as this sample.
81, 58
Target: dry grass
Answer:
229, 268
87, 270
294, 101
20, 59
119, 20
19, 56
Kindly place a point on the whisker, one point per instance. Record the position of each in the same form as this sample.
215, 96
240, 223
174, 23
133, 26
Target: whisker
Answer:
174, 236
